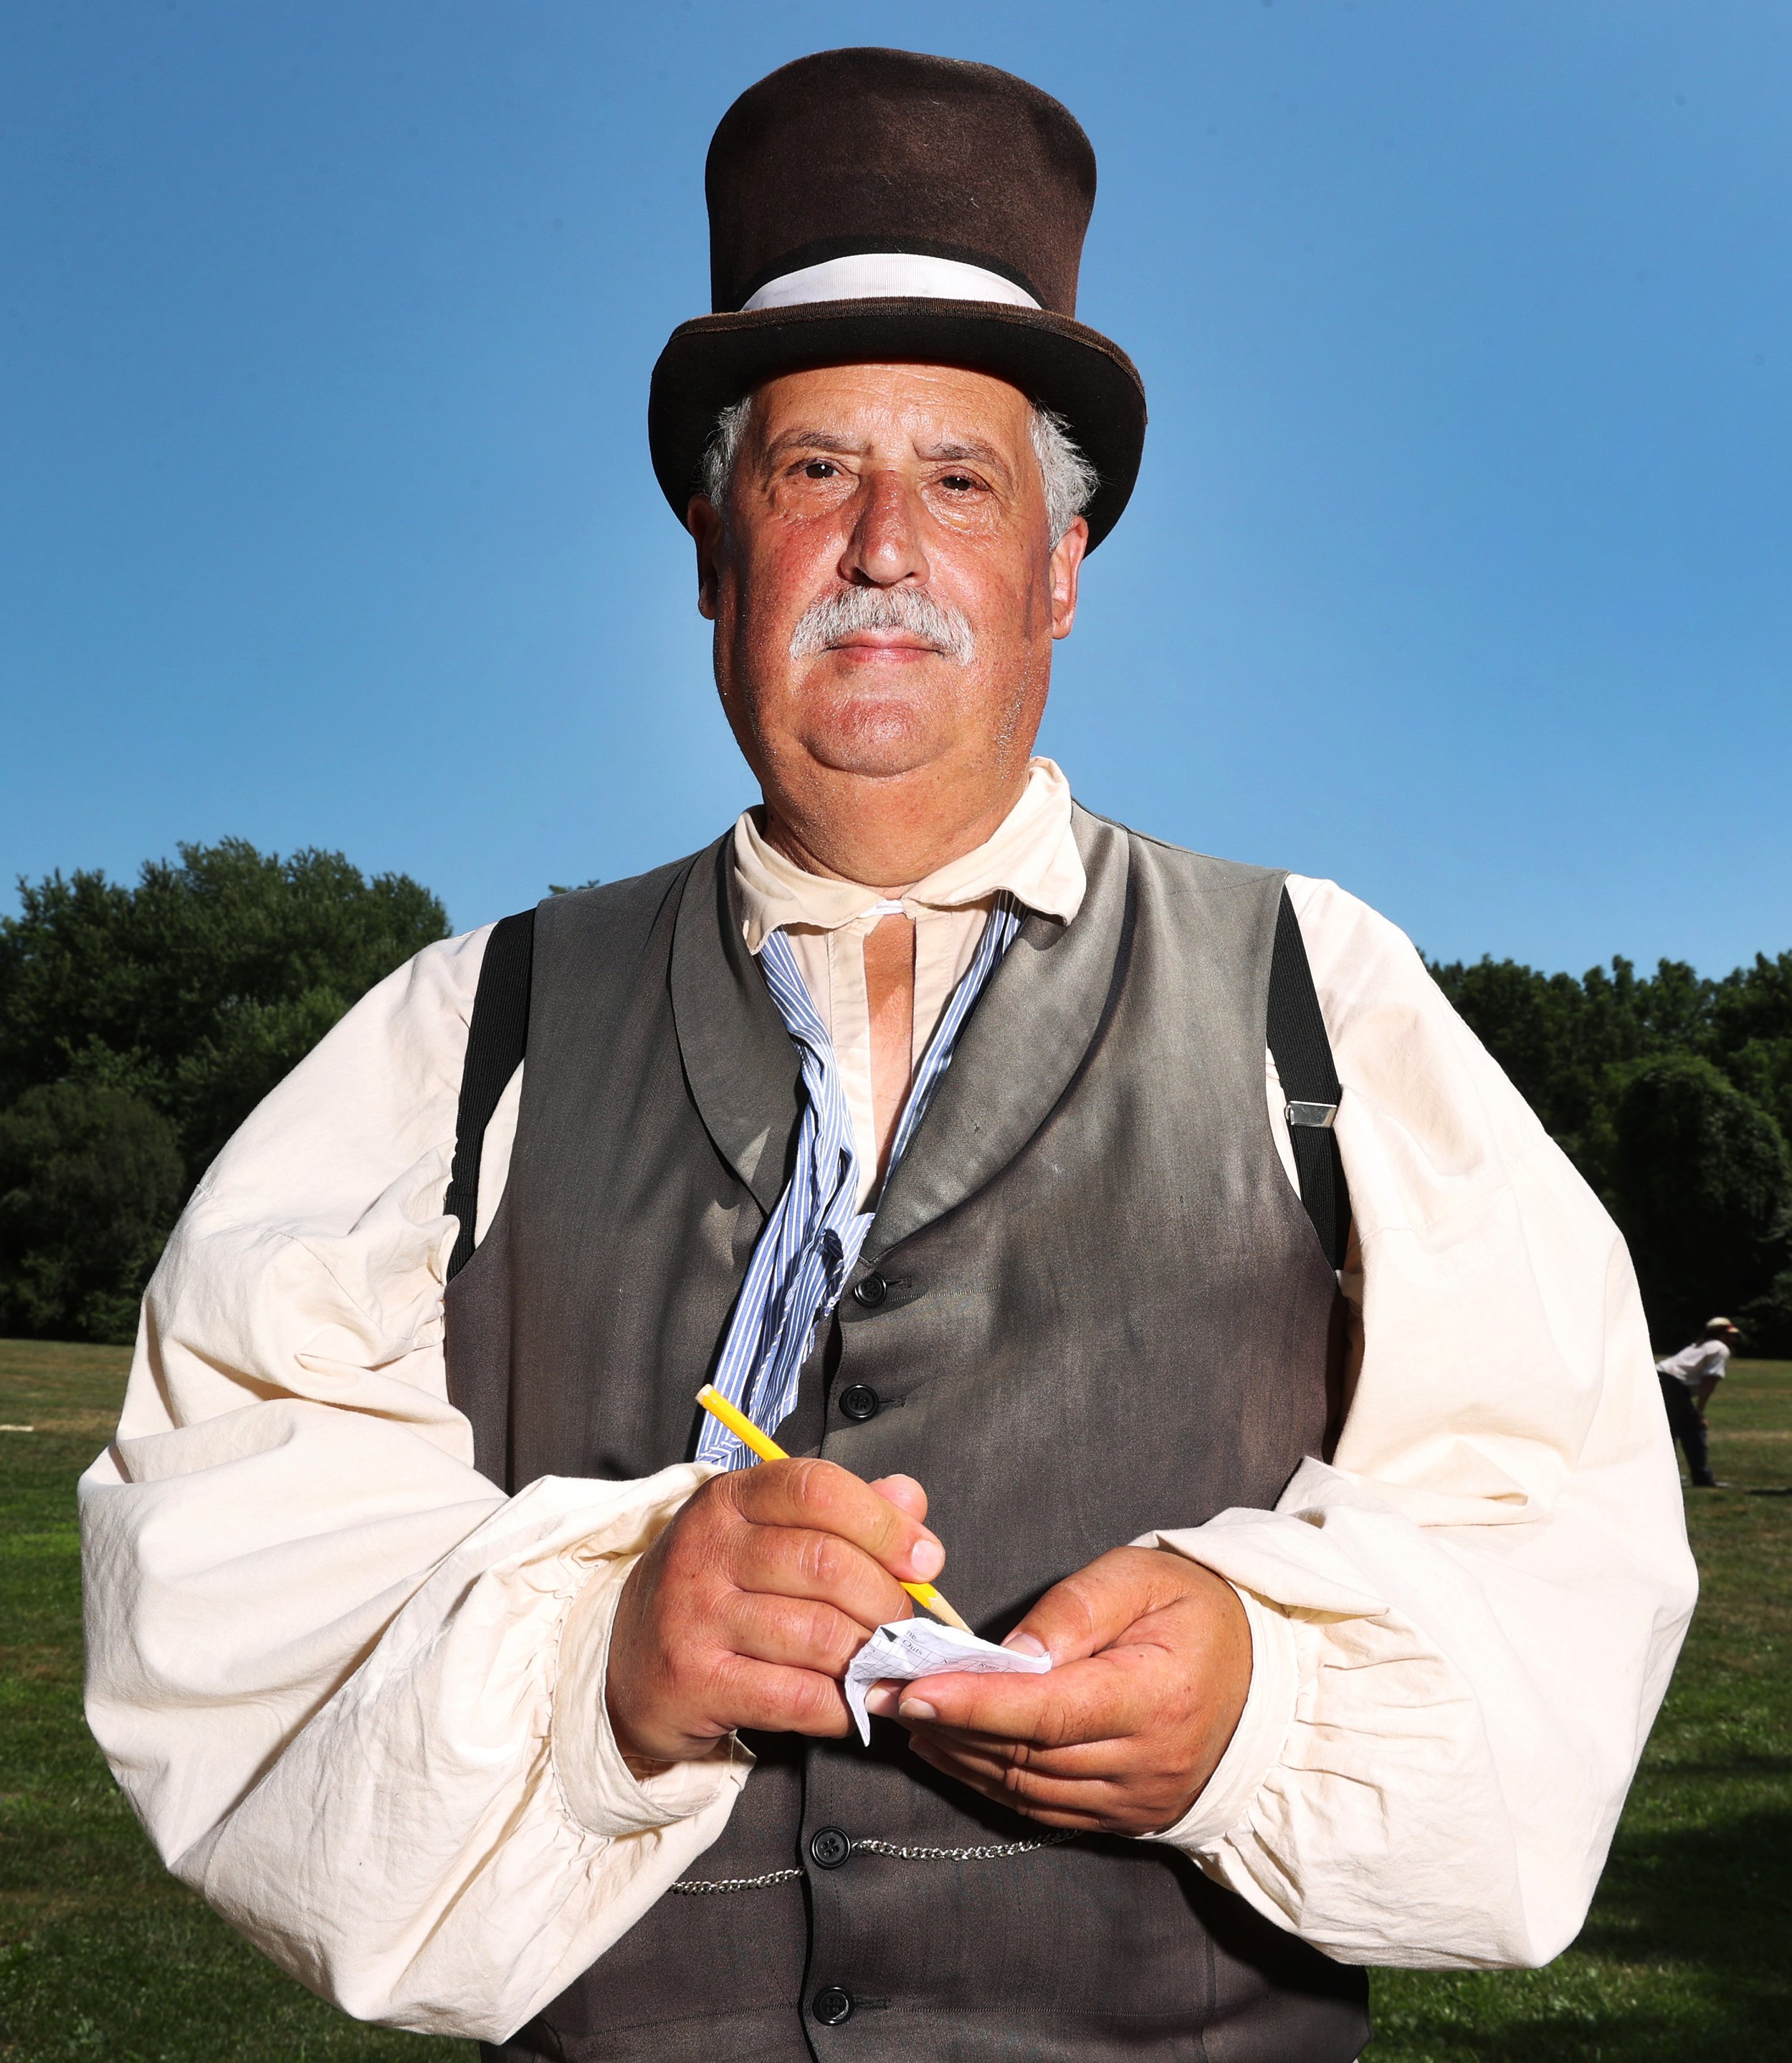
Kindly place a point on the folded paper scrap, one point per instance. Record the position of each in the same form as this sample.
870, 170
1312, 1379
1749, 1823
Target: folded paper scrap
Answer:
911, 1647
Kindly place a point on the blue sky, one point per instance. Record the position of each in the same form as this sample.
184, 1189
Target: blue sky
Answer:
1458, 569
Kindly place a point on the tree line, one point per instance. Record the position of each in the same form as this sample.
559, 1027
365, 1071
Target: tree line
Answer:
1672, 1094
140, 1024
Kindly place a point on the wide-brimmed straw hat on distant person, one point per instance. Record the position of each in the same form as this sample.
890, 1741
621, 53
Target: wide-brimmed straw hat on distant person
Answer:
1723, 1325
873, 206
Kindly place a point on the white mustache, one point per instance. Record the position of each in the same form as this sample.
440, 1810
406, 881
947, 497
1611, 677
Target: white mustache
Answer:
836, 616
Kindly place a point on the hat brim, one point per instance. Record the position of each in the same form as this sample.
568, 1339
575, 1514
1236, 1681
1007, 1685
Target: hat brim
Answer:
709, 364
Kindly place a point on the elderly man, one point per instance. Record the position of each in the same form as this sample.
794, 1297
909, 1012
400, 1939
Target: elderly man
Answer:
982, 1149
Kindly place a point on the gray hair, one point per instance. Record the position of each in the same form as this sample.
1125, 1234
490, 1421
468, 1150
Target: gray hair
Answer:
1069, 479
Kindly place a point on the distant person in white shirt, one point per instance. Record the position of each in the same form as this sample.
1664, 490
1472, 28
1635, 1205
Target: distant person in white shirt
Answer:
1688, 1380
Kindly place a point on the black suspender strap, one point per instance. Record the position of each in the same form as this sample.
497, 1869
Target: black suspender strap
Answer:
1310, 1090
495, 1039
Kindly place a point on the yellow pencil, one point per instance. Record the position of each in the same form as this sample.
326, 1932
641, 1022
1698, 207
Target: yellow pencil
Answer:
768, 1449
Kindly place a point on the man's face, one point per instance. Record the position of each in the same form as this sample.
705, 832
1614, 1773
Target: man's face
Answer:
883, 585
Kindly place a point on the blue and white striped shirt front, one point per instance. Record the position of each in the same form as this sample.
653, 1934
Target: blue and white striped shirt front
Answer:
812, 1240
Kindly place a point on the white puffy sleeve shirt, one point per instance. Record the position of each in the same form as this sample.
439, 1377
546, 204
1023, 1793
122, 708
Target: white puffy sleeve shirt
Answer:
356, 1693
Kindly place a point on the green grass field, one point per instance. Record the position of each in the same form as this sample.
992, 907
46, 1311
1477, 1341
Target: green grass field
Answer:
1684, 1961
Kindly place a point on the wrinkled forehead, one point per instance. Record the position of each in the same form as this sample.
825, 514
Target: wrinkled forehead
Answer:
944, 409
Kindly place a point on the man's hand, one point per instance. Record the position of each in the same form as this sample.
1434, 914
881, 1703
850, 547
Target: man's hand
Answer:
1152, 1663
746, 1609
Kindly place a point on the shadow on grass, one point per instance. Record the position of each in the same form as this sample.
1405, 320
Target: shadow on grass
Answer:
1724, 1768
1683, 1961
1719, 1896
1574, 2033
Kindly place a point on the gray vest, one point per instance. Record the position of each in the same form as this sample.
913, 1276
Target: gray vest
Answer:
1090, 1304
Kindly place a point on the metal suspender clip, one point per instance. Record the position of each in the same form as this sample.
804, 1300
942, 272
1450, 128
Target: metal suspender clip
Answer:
1320, 1116
1295, 1031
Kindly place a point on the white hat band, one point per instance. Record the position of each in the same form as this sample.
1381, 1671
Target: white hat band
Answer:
882, 275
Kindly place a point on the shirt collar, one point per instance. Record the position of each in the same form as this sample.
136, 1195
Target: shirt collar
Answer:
1031, 853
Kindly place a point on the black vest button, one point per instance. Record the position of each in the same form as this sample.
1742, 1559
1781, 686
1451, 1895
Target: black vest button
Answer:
829, 1847
858, 1402
870, 1294
833, 2007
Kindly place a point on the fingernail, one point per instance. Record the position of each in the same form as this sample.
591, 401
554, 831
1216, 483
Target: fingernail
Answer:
927, 1558
916, 1708
880, 1700
1024, 1643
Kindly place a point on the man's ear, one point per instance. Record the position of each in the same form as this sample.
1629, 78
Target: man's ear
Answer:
1067, 568
703, 519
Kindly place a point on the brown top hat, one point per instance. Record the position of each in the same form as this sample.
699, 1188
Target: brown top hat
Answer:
870, 205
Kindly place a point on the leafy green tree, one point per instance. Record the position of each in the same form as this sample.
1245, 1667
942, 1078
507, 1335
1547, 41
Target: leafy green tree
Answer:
1766, 1320
182, 1000
1751, 1033
90, 1179
1557, 1038
1581, 1052
1702, 1186
199, 988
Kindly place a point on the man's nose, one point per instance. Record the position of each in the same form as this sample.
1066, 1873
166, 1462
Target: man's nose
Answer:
884, 547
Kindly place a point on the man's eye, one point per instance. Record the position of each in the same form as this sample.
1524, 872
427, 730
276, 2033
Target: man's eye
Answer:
819, 468
960, 483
